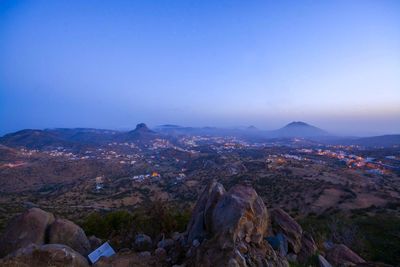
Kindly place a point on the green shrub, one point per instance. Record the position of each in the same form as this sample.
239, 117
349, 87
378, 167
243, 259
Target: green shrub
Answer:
121, 226
375, 238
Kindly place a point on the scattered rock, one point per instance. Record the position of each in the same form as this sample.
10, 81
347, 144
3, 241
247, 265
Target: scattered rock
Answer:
373, 264
308, 247
289, 227
341, 255
145, 254
176, 236
142, 242
328, 244
54, 255
323, 262
195, 243
29, 205
95, 242
279, 243
65, 232
291, 257
29, 227
166, 244
160, 253
124, 251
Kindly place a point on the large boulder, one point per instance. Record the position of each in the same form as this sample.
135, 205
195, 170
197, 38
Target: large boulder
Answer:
233, 226
240, 215
54, 255
200, 223
341, 255
65, 232
289, 227
29, 227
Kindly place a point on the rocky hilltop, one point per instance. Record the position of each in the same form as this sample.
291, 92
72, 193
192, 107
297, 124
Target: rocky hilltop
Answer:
227, 228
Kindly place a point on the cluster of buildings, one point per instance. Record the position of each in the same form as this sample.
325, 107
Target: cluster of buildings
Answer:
143, 177
351, 160
159, 143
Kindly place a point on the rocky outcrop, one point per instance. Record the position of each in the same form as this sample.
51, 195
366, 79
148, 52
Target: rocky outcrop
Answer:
200, 224
323, 262
54, 255
36, 238
232, 227
341, 255
308, 247
29, 227
227, 228
289, 227
240, 215
65, 232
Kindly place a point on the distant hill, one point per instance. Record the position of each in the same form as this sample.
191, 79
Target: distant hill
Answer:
373, 141
140, 134
298, 129
33, 139
81, 137
7, 153
73, 137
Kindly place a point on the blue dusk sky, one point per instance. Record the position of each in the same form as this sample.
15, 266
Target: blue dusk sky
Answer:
112, 64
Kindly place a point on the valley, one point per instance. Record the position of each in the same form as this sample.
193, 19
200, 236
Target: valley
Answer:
134, 170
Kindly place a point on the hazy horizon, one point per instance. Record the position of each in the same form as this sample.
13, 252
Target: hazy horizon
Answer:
113, 64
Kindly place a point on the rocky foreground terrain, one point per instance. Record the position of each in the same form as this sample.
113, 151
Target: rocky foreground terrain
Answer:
227, 228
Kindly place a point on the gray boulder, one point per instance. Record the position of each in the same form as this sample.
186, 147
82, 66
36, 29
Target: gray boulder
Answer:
233, 229
55, 255
323, 262
341, 255
29, 227
289, 227
166, 244
200, 224
65, 232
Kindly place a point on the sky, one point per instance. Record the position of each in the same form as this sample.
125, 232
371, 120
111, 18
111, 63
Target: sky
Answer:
113, 64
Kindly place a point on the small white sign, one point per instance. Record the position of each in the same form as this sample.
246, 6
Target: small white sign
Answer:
104, 250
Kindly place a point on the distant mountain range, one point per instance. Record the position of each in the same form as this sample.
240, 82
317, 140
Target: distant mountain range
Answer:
80, 137
75, 137
291, 130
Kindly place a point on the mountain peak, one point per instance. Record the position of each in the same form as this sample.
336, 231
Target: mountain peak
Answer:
297, 124
299, 129
252, 127
142, 127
